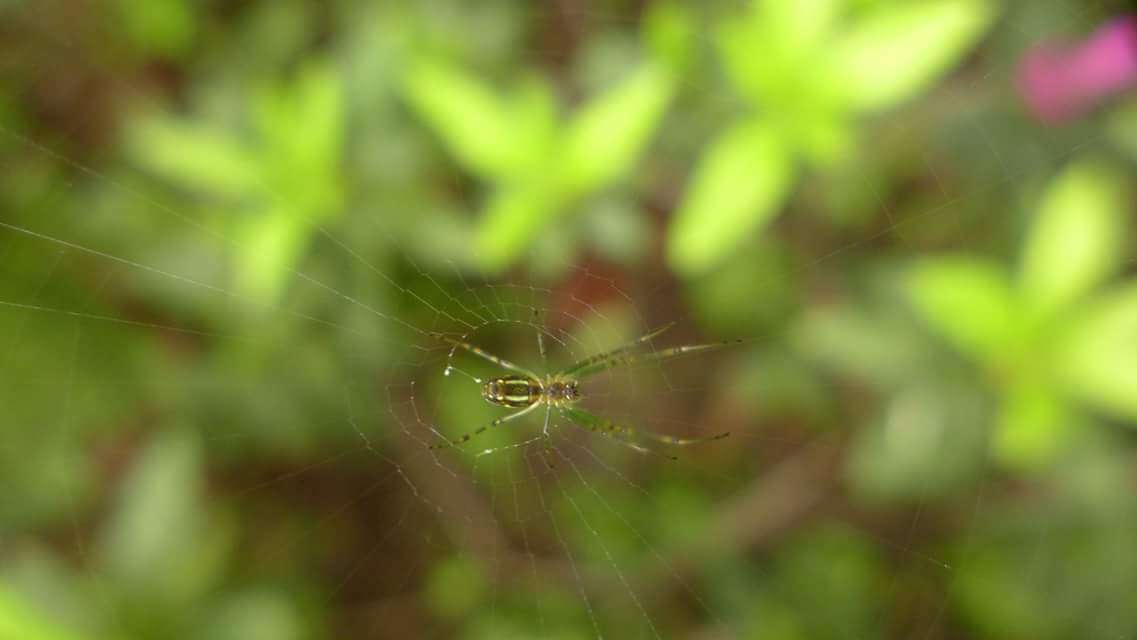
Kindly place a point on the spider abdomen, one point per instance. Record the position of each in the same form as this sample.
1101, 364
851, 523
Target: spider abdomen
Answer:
512, 391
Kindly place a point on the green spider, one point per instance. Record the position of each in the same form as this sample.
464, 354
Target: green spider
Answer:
560, 390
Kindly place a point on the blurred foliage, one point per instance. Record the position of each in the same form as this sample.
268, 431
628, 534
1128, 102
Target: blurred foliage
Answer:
807, 68
539, 167
1041, 336
228, 232
260, 206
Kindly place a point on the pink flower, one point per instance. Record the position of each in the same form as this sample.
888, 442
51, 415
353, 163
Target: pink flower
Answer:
1060, 83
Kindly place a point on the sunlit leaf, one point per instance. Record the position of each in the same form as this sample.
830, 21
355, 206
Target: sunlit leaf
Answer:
318, 133
822, 137
1033, 426
533, 116
968, 302
609, 133
1099, 359
802, 25
268, 246
20, 620
900, 48
196, 157
513, 217
302, 134
1075, 241
738, 185
745, 59
470, 117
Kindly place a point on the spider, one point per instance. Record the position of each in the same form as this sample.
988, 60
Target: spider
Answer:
560, 390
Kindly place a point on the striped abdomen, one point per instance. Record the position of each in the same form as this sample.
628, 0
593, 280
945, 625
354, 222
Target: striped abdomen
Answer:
512, 391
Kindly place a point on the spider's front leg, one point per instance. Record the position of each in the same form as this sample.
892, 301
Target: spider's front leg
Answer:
482, 353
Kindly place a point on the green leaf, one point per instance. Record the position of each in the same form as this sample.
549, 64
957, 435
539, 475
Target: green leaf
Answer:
802, 25
158, 27
750, 65
533, 116
266, 250
20, 620
513, 218
302, 131
669, 32
474, 122
317, 134
1098, 360
968, 302
196, 157
739, 184
1034, 427
608, 134
901, 48
154, 535
256, 614
456, 587
1075, 242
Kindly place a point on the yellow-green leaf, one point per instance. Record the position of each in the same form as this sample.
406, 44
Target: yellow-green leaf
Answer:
513, 218
470, 117
802, 25
738, 185
669, 31
1075, 241
1033, 427
269, 245
608, 134
20, 620
1098, 360
901, 48
196, 157
969, 302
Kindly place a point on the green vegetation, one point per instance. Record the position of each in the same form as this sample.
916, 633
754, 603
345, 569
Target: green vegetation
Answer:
231, 234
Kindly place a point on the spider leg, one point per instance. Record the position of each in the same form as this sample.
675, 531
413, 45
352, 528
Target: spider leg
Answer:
595, 423
548, 439
626, 435
575, 368
589, 422
482, 353
624, 358
540, 341
466, 437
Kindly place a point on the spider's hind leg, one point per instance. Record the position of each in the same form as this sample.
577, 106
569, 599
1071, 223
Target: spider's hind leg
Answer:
608, 429
466, 437
628, 436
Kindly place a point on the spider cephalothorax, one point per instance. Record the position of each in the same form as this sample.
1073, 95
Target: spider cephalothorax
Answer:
561, 392
525, 390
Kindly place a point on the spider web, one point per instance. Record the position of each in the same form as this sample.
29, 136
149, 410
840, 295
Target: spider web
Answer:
546, 541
